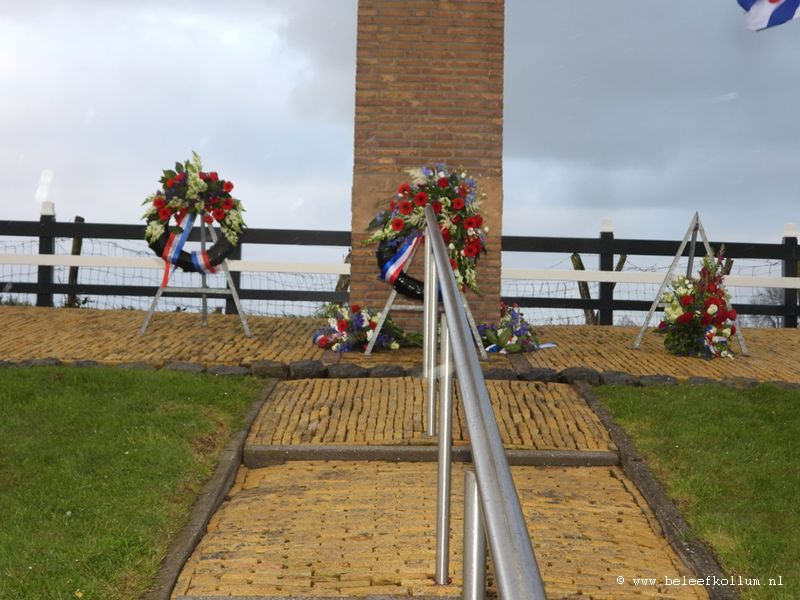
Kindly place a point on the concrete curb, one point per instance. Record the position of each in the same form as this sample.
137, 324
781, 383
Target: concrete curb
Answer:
211, 496
256, 456
677, 531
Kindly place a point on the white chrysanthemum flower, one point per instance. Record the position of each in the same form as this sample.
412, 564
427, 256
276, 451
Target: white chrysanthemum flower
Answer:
394, 346
712, 309
417, 176
154, 230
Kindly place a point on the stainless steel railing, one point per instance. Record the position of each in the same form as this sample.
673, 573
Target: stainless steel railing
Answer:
516, 572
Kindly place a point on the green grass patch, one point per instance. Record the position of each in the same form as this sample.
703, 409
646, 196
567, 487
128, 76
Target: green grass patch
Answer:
730, 460
98, 470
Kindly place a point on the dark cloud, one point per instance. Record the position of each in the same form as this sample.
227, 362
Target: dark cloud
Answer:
621, 105
641, 111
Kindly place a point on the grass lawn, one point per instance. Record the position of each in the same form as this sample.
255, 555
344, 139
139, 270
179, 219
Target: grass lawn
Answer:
730, 460
98, 470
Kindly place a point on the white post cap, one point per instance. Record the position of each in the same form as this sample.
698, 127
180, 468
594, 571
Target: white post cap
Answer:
48, 208
607, 225
790, 230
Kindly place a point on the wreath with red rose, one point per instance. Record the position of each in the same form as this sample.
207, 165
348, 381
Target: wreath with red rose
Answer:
188, 192
455, 200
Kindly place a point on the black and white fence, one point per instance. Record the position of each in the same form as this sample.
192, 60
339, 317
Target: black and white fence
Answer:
36, 261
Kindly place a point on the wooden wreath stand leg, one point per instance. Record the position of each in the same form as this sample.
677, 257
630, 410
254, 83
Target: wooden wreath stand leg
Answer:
417, 308
230, 289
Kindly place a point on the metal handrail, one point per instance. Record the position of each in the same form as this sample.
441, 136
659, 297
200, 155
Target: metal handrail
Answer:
516, 572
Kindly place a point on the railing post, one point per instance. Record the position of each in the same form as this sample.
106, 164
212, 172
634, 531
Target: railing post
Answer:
605, 314
430, 325
47, 245
445, 447
236, 276
474, 571
789, 269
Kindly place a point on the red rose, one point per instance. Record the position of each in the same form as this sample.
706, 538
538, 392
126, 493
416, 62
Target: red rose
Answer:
218, 214
159, 202
164, 214
732, 315
405, 207
404, 189
170, 183
456, 219
457, 203
706, 318
355, 308
208, 219
437, 207
227, 186
663, 325
469, 250
453, 264
398, 224
443, 182
687, 300
478, 221
202, 175
420, 199
685, 318
391, 205
373, 325
213, 176
445, 234
342, 325
323, 342
227, 204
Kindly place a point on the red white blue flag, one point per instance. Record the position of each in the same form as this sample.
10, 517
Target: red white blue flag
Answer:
768, 13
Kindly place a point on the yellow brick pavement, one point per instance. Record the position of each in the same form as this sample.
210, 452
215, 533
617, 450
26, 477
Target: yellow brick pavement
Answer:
338, 529
391, 411
111, 337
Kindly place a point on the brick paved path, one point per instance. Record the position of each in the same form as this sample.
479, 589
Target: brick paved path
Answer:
111, 337
325, 529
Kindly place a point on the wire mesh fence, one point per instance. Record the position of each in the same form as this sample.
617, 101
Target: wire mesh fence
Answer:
328, 283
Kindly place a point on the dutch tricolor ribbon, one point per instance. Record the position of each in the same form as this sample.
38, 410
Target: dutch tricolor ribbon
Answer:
174, 245
394, 266
202, 263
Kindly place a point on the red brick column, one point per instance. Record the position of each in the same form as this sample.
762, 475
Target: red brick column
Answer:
429, 88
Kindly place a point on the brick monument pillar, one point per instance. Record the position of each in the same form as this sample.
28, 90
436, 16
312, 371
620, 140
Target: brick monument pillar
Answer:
429, 88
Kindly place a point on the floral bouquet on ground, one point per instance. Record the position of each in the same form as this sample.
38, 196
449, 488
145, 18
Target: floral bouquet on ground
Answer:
513, 334
456, 201
351, 329
697, 321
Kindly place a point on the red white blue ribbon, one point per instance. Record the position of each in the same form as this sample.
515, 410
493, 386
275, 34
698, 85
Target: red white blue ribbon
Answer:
201, 262
394, 266
174, 245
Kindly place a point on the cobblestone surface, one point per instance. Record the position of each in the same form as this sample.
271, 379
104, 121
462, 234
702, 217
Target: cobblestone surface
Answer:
340, 529
773, 354
392, 411
112, 337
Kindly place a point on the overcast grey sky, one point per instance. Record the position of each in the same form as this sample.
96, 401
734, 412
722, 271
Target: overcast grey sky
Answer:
640, 110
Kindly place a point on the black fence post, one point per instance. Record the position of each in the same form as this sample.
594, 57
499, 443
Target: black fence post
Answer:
605, 314
47, 245
789, 269
230, 305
